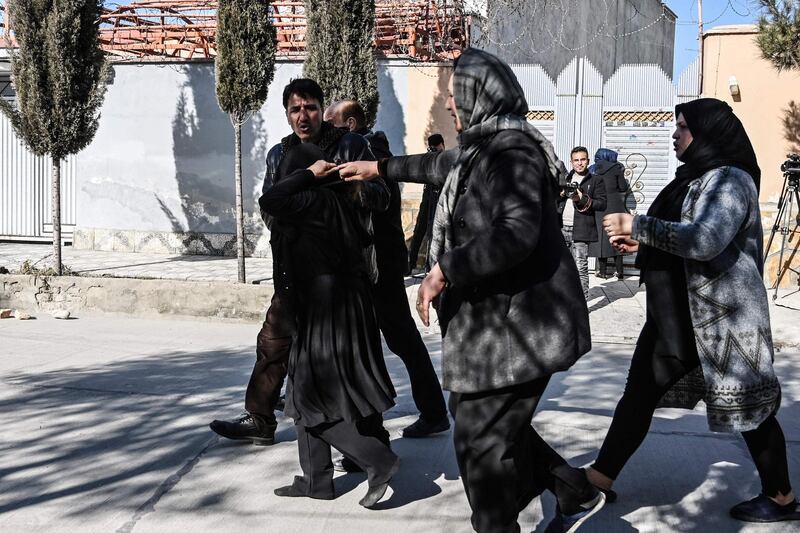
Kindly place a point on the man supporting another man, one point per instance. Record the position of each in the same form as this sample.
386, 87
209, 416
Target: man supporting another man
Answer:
303, 100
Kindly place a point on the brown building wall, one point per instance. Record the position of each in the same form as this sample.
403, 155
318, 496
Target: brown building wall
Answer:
425, 115
766, 95
764, 107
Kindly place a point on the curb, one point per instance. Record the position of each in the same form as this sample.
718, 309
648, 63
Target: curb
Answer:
144, 298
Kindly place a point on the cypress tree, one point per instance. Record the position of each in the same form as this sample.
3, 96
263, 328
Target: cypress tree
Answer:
779, 33
341, 51
245, 65
59, 74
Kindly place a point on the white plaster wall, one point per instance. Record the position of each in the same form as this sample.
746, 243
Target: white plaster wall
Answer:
162, 159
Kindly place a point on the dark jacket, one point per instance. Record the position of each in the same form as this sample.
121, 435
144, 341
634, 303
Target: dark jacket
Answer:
389, 237
593, 188
338, 145
613, 176
513, 309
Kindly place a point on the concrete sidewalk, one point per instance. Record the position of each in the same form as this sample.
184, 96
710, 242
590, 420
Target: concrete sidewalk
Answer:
617, 308
105, 429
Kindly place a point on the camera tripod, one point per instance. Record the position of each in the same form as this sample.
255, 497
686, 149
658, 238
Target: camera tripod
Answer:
790, 195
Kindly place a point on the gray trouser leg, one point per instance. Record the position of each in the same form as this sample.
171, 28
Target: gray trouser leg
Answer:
580, 251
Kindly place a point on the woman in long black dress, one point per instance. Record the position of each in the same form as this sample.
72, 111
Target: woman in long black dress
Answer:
337, 376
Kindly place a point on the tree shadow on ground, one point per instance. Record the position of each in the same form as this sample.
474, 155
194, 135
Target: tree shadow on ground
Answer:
612, 290
683, 476
110, 433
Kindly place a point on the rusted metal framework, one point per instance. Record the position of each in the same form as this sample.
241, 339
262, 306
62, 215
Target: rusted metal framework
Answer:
4, 24
426, 30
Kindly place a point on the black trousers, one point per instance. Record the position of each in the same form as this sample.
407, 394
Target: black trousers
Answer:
503, 461
423, 227
314, 446
604, 262
649, 378
273, 344
403, 338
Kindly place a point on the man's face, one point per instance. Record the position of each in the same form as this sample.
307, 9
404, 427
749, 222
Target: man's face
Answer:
305, 117
580, 162
451, 105
682, 137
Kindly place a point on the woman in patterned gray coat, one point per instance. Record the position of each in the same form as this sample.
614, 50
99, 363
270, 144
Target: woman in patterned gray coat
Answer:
707, 334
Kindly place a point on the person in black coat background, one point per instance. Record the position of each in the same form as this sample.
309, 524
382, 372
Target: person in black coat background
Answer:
427, 210
336, 373
612, 173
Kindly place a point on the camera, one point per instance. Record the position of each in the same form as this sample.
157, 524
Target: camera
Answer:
792, 165
569, 189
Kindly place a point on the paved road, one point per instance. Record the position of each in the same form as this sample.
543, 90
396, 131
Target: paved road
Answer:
105, 430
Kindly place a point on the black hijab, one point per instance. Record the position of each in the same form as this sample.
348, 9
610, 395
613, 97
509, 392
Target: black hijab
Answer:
719, 140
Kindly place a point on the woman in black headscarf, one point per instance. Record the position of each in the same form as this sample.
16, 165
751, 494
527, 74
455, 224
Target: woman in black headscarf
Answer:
508, 287
337, 377
707, 333
607, 168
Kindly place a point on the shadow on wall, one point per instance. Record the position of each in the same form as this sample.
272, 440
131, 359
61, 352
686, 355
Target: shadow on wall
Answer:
391, 117
439, 114
204, 164
791, 126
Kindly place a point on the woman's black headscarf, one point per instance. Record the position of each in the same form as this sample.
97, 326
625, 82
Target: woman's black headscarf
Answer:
719, 140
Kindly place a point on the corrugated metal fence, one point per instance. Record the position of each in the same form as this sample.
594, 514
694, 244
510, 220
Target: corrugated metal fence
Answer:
25, 190
632, 112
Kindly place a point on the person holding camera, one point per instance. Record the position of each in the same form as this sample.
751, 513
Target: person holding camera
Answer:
588, 195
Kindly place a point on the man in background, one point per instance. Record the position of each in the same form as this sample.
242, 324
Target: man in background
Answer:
427, 210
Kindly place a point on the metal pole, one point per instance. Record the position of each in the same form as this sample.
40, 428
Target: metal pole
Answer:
700, 43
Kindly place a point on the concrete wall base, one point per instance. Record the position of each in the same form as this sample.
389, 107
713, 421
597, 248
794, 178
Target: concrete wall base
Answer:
142, 298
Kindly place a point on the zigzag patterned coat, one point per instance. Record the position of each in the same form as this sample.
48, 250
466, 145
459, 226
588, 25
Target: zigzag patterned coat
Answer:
721, 240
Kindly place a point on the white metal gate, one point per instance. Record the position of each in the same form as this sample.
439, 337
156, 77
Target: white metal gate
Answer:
638, 119
642, 146
25, 191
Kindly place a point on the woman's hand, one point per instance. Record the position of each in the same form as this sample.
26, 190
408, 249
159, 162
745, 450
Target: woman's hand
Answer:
432, 286
618, 224
624, 244
358, 170
322, 168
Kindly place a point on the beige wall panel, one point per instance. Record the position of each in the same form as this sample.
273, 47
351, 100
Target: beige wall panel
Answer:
763, 102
